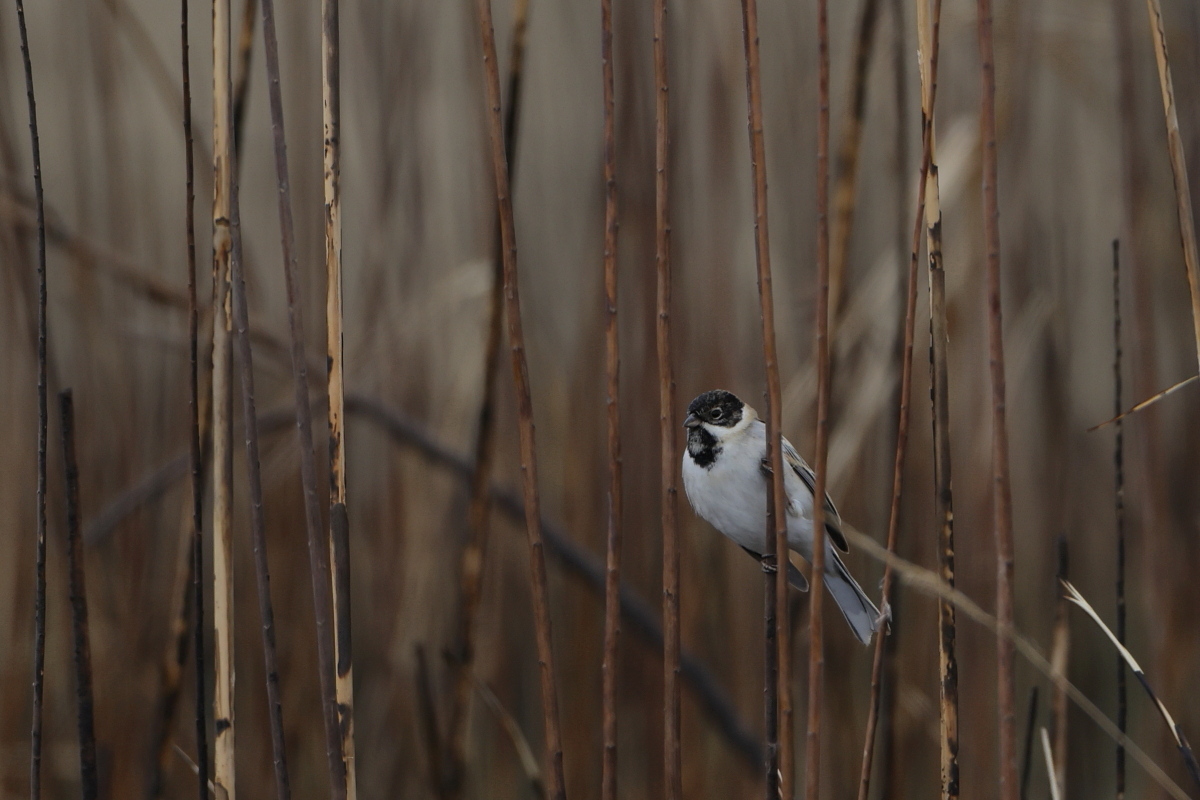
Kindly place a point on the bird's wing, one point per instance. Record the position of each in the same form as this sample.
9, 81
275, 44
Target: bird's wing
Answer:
833, 521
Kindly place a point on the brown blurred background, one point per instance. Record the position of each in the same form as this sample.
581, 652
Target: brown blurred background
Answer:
1077, 169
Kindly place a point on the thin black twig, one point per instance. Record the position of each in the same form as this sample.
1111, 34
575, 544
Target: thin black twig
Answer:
39, 598
258, 535
1030, 725
79, 612
1119, 499
194, 450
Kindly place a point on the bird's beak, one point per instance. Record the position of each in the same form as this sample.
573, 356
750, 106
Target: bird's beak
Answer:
692, 421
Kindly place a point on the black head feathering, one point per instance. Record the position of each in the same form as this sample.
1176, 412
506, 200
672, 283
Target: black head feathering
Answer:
718, 407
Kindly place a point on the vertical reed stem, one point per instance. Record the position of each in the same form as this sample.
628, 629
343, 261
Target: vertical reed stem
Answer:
1060, 657
318, 555
556, 789
777, 694
258, 527
339, 525
816, 647
612, 370
79, 612
222, 401
39, 598
1183, 193
1119, 498
475, 550
1002, 491
195, 453
668, 465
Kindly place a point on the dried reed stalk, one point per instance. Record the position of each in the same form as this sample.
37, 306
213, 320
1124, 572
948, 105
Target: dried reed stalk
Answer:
79, 612
39, 597
258, 527
612, 371
927, 582
777, 694
427, 716
1002, 491
222, 402
339, 525
516, 341
1119, 501
1060, 656
906, 365
928, 28
520, 743
816, 647
318, 556
844, 193
474, 552
1185, 749
1183, 193
1056, 790
668, 464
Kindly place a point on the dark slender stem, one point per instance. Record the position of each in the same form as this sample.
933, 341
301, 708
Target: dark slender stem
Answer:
318, 555
906, 367
79, 612
1001, 488
816, 646
241, 81
556, 789
1119, 498
612, 370
196, 457
427, 713
1059, 659
478, 512
668, 463
258, 526
39, 597
777, 695
1030, 726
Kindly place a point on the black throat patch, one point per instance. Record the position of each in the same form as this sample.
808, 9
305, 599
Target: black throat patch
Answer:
702, 447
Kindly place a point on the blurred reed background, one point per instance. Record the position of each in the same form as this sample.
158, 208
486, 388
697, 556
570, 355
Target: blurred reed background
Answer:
1080, 165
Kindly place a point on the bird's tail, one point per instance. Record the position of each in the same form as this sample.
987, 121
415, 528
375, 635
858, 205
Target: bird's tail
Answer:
856, 607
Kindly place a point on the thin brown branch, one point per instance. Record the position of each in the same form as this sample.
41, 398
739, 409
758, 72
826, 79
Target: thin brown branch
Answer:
79, 612
1183, 193
845, 191
1001, 488
427, 715
339, 524
668, 463
318, 555
816, 647
612, 372
777, 694
479, 509
222, 405
516, 342
39, 598
1030, 724
258, 526
1149, 401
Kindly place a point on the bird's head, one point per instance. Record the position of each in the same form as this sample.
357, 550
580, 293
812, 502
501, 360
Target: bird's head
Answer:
719, 414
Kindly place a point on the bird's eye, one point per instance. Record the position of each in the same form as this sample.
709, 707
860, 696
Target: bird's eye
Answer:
717, 413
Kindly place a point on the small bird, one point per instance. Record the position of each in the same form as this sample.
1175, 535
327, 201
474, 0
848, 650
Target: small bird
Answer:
725, 475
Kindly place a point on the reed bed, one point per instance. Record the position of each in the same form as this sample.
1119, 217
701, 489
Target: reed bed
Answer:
418, 449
